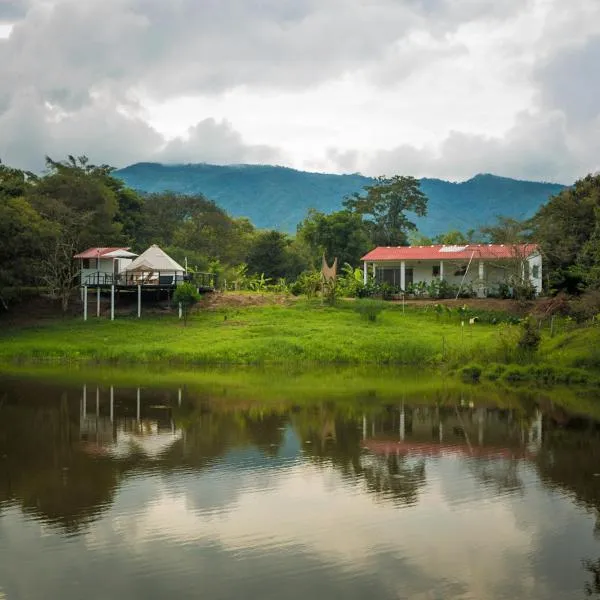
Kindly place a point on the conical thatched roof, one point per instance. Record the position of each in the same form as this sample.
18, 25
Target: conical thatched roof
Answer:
154, 259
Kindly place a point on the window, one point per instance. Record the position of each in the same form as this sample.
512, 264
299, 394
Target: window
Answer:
89, 263
85, 263
435, 270
460, 271
535, 271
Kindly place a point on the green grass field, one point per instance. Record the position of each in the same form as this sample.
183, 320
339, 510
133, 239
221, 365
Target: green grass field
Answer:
266, 334
305, 332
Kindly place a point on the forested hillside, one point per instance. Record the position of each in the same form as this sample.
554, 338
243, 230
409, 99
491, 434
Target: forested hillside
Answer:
279, 198
46, 219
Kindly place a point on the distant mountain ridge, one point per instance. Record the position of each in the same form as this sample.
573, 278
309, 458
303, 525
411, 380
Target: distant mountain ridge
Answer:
279, 197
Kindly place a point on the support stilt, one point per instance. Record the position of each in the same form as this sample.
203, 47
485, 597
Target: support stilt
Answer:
85, 301
112, 302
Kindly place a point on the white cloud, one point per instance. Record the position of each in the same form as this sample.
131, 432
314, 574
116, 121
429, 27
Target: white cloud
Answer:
431, 87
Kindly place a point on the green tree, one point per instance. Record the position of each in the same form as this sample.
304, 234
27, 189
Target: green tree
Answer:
82, 194
385, 205
416, 238
341, 234
506, 230
187, 295
565, 228
451, 238
274, 255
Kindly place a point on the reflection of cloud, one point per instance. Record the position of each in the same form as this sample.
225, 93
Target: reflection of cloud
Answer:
151, 443
315, 510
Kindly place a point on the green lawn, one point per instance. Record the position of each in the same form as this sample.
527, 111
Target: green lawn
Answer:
305, 331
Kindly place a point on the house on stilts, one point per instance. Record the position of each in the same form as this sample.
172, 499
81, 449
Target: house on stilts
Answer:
118, 270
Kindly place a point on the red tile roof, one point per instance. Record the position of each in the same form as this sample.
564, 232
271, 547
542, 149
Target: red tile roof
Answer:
459, 252
97, 252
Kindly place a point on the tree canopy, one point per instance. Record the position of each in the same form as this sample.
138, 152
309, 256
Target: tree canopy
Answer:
385, 205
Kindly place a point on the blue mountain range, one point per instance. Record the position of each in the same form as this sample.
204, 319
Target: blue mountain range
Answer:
279, 197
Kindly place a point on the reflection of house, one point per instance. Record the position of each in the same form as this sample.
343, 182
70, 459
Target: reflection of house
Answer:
483, 266
108, 425
476, 433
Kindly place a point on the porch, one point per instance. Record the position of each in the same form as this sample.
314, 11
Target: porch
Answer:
415, 275
155, 280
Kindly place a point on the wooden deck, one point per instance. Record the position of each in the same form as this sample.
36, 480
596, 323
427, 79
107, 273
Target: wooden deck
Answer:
205, 282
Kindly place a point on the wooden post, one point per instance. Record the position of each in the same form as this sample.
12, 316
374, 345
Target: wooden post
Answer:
97, 401
98, 302
179, 397
441, 270
139, 300
112, 302
84, 401
180, 310
365, 272
138, 411
85, 299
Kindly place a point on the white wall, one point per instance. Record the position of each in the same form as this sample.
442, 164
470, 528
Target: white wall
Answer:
105, 266
534, 261
494, 272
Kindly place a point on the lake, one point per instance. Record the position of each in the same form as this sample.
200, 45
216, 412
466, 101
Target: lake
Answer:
209, 489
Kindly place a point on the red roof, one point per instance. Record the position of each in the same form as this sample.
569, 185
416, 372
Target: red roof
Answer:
458, 252
97, 252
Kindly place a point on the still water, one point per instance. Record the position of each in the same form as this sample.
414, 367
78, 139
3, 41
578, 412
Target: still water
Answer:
124, 492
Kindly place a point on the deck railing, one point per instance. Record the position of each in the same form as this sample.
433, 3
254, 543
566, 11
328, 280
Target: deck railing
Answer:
149, 279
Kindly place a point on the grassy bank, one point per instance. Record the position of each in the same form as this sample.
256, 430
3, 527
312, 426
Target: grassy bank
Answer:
354, 389
304, 332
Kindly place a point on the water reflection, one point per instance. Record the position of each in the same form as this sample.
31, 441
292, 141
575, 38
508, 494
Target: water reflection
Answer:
179, 490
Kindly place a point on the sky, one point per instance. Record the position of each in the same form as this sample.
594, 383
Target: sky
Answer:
436, 88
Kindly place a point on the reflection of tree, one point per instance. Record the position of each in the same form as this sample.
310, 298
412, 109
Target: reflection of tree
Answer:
502, 475
592, 588
394, 476
570, 461
337, 442
45, 469
209, 435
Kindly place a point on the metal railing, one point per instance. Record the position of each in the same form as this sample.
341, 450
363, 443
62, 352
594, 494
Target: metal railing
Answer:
148, 279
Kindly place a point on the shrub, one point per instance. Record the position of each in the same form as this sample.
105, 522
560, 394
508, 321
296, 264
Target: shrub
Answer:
187, 295
471, 373
530, 336
587, 306
308, 283
369, 309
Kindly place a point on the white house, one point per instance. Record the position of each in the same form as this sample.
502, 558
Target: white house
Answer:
483, 266
99, 266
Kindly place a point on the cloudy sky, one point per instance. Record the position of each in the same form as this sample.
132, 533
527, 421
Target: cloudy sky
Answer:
443, 88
